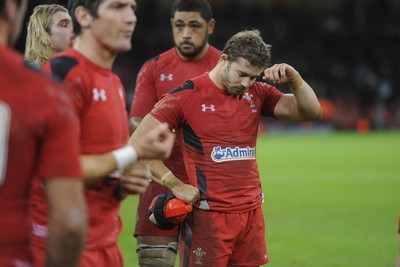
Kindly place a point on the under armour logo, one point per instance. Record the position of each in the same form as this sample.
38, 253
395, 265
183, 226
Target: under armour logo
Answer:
204, 108
169, 77
99, 94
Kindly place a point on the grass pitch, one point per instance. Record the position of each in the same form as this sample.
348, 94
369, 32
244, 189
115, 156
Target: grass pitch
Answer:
331, 200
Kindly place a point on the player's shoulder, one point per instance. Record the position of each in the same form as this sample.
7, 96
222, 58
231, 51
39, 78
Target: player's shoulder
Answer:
61, 64
19, 71
214, 52
262, 86
262, 89
192, 85
163, 57
187, 88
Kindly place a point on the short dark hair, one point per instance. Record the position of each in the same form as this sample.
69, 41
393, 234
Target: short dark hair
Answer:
201, 6
249, 45
91, 5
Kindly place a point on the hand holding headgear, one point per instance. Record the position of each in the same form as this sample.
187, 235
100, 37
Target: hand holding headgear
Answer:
166, 211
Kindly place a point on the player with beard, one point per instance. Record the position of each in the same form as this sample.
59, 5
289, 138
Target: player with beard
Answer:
192, 23
217, 116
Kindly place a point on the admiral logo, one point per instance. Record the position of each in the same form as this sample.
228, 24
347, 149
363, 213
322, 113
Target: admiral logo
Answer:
237, 153
168, 77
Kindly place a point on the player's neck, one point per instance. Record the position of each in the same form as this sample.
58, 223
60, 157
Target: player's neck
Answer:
95, 52
215, 76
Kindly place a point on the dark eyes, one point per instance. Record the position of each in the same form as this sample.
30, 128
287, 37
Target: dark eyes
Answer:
193, 26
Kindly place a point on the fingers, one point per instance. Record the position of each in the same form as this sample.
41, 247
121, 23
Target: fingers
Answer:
279, 73
136, 178
156, 144
187, 193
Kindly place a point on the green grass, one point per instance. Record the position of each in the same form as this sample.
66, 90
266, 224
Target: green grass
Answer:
330, 200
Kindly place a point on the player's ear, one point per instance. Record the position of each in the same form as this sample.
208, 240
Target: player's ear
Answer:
83, 17
223, 57
211, 26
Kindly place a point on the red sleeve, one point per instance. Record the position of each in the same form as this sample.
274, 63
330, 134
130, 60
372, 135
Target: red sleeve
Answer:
60, 145
145, 96
169, 110
271, 97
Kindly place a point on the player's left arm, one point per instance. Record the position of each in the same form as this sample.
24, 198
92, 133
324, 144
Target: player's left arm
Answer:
302, 104
160, 173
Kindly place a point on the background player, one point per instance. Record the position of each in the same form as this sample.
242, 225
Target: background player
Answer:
217, 116
102, 28
192, 23
38, 139
49, 31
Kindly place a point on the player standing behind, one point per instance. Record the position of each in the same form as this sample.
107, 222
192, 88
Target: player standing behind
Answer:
49, 31
192, 23
103, 28
217, 116
38, 139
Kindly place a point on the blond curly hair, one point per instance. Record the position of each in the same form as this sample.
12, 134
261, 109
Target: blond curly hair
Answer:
38, 45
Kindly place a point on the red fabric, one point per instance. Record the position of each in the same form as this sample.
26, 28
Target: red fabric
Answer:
38, 126
110, 256
99, 100
157, 77
232, 239
218, 133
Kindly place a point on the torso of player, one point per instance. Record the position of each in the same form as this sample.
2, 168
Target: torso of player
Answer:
160, 75
219, 132
99, 100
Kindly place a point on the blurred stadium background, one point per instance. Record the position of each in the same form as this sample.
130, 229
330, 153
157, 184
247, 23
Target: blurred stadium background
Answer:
348, 50
331, 187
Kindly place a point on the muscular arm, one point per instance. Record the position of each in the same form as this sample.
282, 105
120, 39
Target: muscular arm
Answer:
185, 192
156, 143
302, 104
67, 221
96, 167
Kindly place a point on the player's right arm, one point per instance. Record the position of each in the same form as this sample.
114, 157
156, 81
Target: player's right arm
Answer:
161, 173
154, 144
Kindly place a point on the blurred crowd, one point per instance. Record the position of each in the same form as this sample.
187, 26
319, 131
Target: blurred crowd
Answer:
348, 51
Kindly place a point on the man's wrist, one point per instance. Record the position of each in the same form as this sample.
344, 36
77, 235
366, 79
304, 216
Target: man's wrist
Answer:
164, 176
296, 82
125, 156
170, 181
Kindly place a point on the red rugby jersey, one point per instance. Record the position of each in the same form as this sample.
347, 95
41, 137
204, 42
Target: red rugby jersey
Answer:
218, 134
99, 99
160, 75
